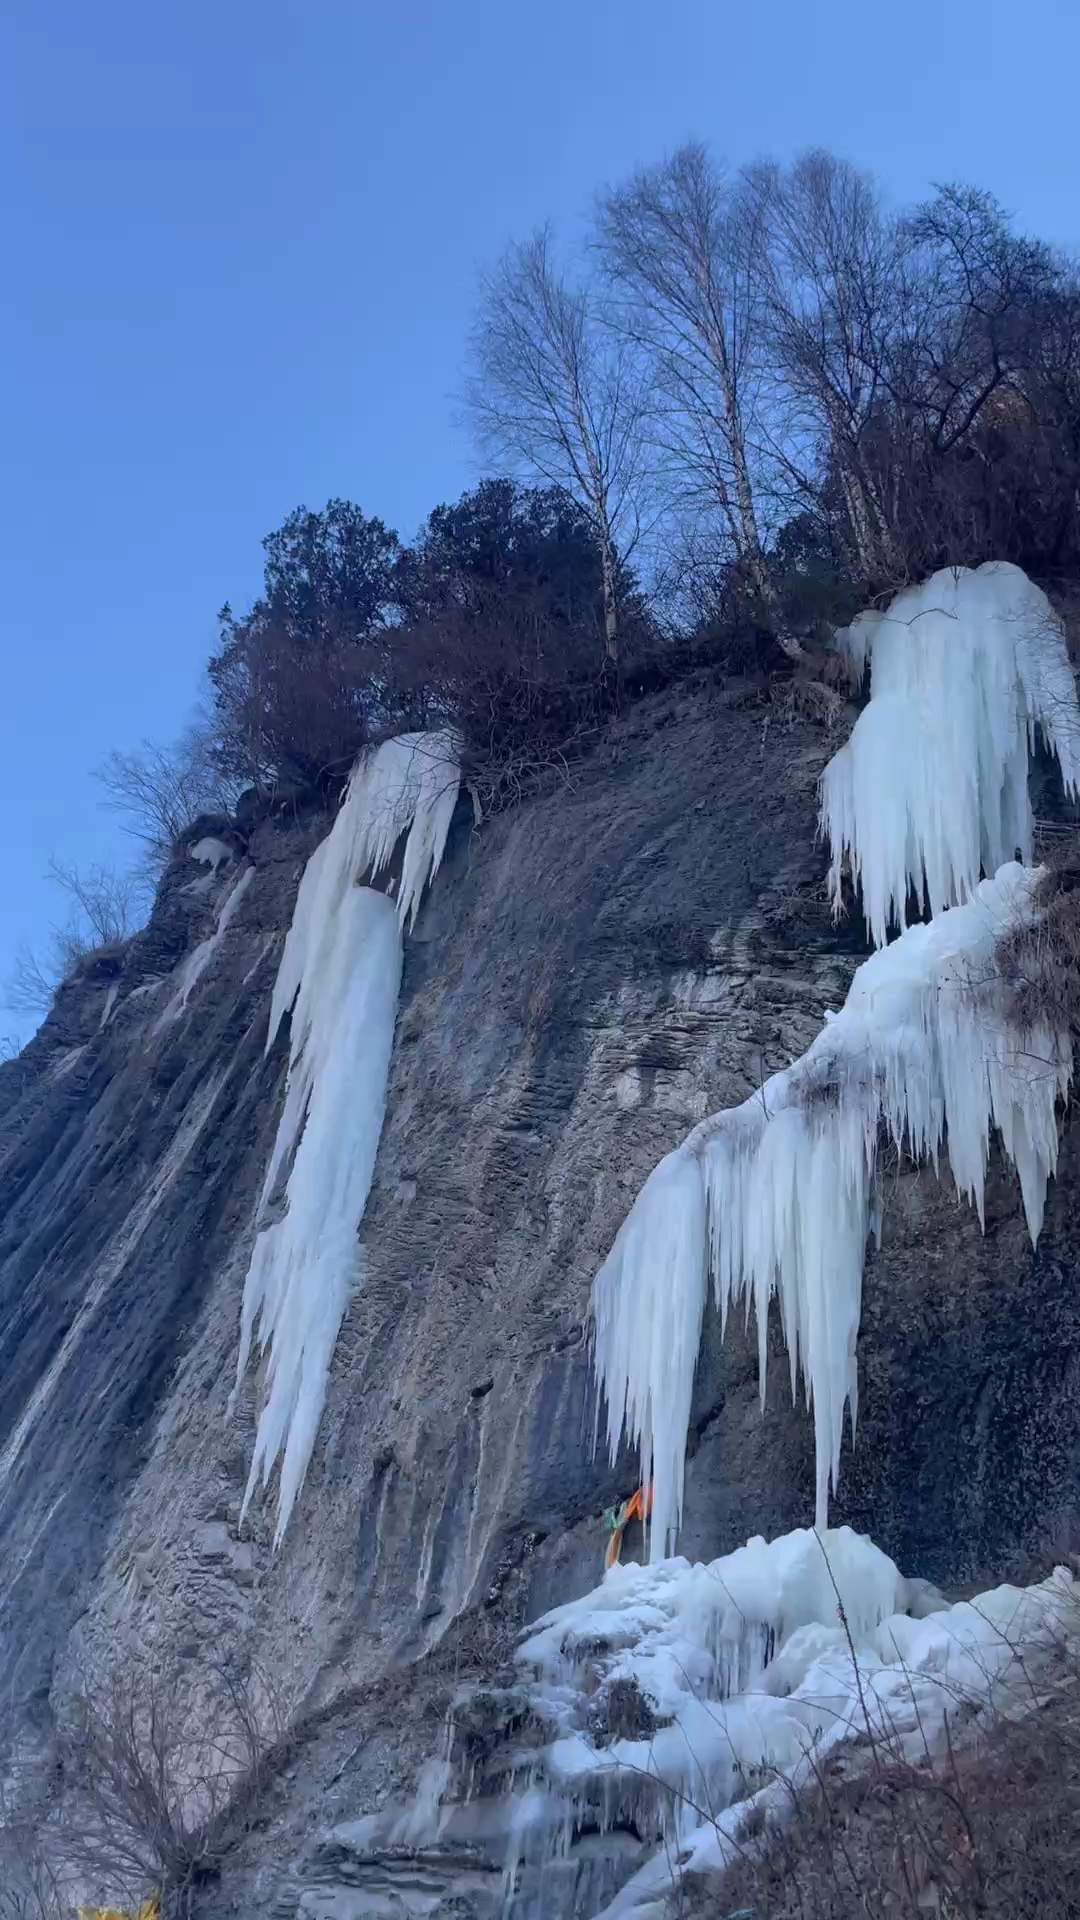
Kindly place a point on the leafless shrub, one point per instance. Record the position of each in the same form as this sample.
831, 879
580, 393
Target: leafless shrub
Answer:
160, 1767
524, 691
30, 1886
989, 1829
158, 791
553, 392
105, 901
1040, 963
801, 696
32, 981
106, 906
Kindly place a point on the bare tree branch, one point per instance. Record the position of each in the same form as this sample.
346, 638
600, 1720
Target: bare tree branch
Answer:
158, 791
553, 394
106, 906
679, 244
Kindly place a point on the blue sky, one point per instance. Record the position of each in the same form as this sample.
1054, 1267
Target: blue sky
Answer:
241, 243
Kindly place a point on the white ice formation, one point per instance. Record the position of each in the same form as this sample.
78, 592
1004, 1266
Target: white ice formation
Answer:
746, 1672
966, 672
339, 976
776, 1196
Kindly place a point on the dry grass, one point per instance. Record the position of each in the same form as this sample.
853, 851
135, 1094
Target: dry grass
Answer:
977, 1821
1040, 963
160, 1770
990, 1830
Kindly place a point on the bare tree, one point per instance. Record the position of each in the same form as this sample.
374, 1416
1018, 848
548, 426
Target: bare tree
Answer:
905, 353
105, 907
159, 1766
106, 900
553, 393
158, 790
975, 312
831, 287
32, 982
679, 243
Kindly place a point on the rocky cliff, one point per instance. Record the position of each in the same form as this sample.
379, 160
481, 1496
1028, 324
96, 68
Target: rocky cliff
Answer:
636, 945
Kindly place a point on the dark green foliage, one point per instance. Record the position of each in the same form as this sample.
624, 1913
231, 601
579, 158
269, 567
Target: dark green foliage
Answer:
330, 573
502, 630
491, 622
811, 577
531, 544
296, 680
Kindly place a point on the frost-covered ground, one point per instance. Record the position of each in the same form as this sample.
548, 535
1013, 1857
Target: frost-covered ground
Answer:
744, 1674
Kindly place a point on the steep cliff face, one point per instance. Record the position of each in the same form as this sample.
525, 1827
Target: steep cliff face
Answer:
590, 974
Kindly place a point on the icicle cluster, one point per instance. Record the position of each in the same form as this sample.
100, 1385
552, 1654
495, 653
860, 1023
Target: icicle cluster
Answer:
931, 789
775, 1196
339, 976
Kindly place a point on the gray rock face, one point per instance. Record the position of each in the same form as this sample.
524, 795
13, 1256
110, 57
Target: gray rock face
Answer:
590, 975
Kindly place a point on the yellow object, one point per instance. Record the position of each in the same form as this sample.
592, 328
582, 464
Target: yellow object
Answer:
149, 1910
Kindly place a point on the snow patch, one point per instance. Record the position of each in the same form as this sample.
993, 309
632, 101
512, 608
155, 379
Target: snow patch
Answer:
777, 1196
966, 672
749, 1667
339, 977
210, 851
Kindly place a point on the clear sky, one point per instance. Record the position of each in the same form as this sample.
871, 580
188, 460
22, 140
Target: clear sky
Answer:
240, 241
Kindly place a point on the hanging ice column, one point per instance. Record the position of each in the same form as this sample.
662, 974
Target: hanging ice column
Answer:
776, 1196
931, 790
339, 975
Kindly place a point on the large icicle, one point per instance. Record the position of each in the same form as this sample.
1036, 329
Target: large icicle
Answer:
775, 1196
931, 789
339, 975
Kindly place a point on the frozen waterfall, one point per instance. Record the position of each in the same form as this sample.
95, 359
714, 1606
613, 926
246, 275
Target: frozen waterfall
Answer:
775, 1196
339, 976
966, 672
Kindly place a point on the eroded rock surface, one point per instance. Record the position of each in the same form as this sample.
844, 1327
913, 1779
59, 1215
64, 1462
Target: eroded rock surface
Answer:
590, 974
